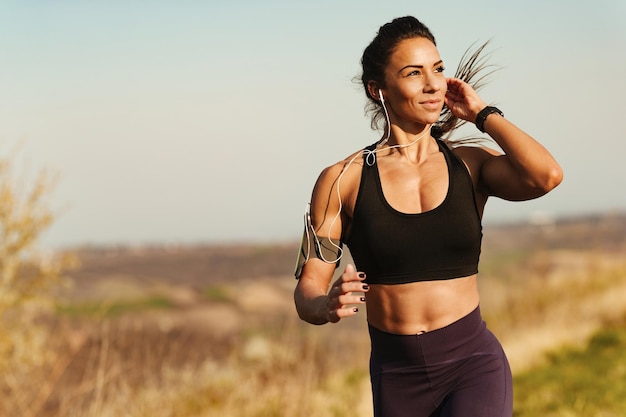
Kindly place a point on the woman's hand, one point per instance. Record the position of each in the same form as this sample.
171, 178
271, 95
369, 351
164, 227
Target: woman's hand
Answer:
462, 100
341, 300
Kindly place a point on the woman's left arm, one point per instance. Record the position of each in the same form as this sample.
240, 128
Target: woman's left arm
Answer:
525, 171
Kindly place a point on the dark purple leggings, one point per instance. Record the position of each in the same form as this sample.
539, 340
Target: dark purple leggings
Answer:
458, 370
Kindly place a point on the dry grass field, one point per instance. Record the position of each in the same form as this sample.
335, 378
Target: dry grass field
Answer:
210, 330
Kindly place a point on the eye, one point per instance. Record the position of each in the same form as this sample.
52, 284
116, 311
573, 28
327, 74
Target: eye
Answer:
440, 69
412, 73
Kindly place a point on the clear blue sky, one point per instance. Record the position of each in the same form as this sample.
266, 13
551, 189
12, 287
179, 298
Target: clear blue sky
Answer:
201, 121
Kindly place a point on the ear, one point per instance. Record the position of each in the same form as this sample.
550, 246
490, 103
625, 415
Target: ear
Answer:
374, 90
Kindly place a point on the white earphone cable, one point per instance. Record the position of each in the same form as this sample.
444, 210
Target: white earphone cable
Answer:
369, 153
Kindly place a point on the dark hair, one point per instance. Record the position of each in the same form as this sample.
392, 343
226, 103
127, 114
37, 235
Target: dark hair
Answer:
378, 53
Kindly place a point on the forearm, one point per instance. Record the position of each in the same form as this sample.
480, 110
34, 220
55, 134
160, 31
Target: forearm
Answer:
529, 158
310, 302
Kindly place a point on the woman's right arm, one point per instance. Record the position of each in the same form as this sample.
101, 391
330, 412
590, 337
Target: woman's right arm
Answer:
317, 306
315, 302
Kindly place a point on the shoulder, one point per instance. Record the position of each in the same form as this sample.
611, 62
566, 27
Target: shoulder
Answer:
344, 169
341, 180
473, 151
474, 155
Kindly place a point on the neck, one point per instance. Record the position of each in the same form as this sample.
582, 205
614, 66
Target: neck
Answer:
399, 138
410, 145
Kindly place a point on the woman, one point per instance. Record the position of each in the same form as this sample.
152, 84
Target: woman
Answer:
409, 208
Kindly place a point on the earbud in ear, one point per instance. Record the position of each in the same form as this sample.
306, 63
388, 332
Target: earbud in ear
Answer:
380, 95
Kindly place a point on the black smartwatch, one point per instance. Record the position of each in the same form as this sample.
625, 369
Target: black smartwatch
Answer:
482, 116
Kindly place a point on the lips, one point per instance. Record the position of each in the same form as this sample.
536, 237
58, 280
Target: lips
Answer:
431, 104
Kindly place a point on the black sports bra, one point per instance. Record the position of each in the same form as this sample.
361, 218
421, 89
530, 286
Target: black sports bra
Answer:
392, 247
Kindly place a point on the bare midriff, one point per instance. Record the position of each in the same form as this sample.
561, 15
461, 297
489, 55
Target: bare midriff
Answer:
420, 307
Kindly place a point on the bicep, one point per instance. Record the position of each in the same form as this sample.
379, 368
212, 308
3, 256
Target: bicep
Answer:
326, 204
322, 239
321, 246
499, 178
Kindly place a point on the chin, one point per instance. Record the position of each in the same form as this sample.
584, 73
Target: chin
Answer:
429, 120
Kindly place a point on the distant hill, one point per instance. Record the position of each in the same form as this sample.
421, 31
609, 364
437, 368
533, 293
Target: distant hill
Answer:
198, 266
605, 231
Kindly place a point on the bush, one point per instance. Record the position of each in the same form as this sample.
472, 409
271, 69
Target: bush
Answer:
27, 278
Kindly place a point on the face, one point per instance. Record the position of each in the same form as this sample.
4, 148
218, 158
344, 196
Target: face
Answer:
415, 83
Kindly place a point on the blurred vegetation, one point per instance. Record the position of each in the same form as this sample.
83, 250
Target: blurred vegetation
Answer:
218, 293
100, 310
577, 382
27, 280
208, 331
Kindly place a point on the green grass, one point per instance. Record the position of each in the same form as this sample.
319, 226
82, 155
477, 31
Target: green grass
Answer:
113, 309
577, 382
218, 293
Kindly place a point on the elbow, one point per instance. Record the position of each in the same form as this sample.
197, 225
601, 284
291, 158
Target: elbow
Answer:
553, 178
550, 179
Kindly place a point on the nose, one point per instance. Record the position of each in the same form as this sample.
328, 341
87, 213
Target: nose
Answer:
432, 83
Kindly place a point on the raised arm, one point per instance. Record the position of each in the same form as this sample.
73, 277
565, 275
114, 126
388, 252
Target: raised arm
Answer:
525, 171
315, 302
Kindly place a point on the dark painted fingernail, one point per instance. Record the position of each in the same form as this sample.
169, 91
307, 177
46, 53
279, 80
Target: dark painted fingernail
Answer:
361, 275
355, 309
366, 287
362, 298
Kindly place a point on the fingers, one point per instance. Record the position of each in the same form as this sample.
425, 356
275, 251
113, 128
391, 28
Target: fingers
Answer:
462, 99
335, 315
341, 300
455, 85
350, 278
457, 89
350, 281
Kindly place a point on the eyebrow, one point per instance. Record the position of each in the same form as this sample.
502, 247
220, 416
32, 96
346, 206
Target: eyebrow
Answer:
420, 66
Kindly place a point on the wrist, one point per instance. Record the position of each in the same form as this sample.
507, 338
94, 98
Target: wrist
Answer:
482, 115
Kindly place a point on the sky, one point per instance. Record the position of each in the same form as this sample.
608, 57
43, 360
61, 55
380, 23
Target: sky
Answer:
209, 121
